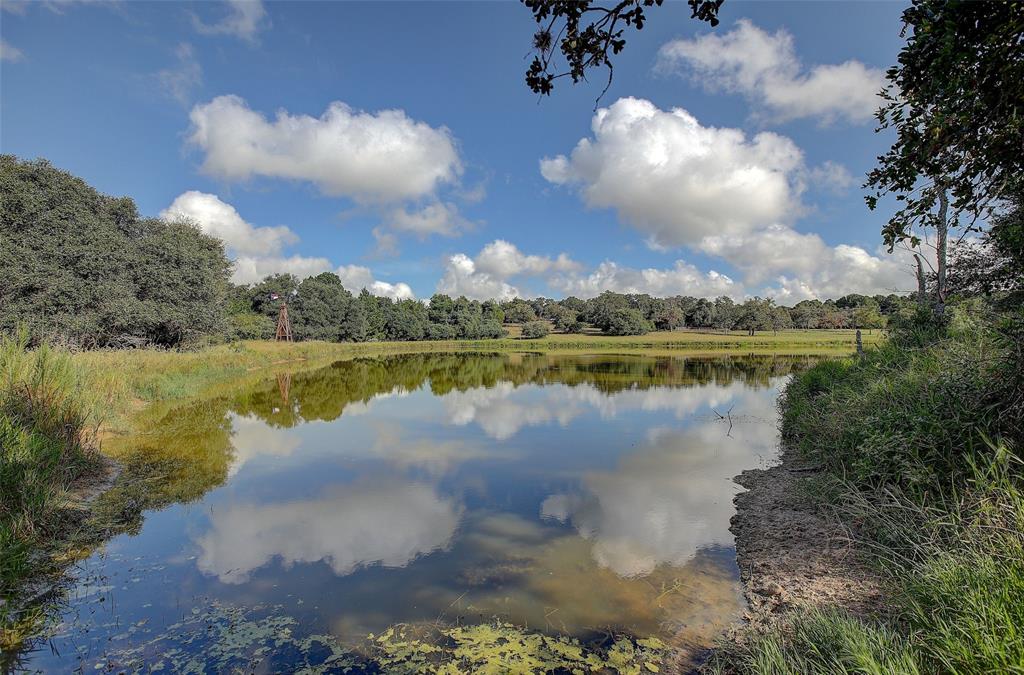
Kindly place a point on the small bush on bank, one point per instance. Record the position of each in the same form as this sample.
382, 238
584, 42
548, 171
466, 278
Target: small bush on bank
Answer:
626, 321
535, 329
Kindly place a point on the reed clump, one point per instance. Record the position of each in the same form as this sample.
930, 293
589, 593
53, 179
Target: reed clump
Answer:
50, 411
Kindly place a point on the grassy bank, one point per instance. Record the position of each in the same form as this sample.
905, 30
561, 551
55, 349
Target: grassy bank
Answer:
136, 378
49, 414
919, 444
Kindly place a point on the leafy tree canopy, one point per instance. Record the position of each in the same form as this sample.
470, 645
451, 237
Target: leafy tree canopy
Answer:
81, 266
956, 103
995, 266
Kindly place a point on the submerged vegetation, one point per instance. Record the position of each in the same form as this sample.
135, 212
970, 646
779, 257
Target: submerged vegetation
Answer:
262, 637
502, 648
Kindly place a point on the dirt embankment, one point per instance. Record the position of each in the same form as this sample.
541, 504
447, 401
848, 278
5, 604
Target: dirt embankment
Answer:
791, 554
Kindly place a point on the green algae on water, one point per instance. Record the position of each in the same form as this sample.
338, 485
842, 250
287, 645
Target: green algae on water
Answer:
226, 639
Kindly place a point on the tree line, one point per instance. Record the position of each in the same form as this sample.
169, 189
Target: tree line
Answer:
87, 269
322, 309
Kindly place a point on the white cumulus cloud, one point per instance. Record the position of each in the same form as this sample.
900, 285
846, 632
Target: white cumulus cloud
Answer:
504, 259
764, 68
682, 278
244, 20
832, 176
461, 277
847, 269
435, 218
370, 157
804, 266
356, 277
386, 243
774, 261
678, 181
488, 275
251, 269
222, 220
258, 251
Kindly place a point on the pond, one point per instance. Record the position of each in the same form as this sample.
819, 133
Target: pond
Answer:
373, 514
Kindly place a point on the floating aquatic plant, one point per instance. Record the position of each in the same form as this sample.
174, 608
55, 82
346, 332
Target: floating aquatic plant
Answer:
501, 647
226, 639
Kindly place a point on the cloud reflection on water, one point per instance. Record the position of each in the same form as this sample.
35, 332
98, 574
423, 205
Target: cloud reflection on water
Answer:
382, 523
669, 498
504, 410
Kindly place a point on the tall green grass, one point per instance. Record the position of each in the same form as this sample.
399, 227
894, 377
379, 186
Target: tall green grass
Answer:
49, 414
916, 412
821, 642
919, 444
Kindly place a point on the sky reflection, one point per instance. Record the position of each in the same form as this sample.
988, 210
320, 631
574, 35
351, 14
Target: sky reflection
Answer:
456, 486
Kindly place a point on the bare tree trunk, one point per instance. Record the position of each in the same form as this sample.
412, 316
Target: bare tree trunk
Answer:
942, 227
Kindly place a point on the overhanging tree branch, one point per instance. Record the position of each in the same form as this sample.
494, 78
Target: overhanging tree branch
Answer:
585, 46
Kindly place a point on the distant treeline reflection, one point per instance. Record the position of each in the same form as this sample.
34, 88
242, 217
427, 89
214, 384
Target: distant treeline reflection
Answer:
324, 394
187, 451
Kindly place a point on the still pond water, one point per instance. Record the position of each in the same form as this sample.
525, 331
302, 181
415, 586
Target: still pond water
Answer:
586, 497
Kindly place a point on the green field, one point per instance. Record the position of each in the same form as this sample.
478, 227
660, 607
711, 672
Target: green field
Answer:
696, 339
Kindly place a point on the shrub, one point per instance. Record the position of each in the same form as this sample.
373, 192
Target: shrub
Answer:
566, 320
250, 326
491, 329
535, 329
112, 277
913, 413
625, 321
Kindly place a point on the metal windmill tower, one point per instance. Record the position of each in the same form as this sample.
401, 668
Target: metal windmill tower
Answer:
284, 324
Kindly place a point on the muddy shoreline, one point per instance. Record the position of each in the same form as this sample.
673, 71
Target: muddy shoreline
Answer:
792, 554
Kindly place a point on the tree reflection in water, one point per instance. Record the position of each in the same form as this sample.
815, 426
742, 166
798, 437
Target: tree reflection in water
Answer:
572, 494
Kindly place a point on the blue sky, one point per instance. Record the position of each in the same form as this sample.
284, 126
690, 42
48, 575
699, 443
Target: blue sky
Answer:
397, 144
